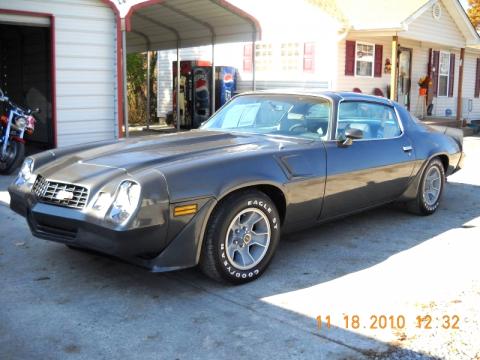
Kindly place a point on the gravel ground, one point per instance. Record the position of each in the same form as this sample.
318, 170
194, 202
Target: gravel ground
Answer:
56, 303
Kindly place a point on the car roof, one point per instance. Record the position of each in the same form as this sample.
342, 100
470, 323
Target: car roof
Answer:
334, 95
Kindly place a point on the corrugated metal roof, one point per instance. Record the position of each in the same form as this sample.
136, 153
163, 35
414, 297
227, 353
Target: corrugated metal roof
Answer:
161, 25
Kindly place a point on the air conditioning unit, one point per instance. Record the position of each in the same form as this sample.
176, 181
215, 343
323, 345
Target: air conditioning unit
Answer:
467, 108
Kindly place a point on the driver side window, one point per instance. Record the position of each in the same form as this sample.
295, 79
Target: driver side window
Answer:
376, 121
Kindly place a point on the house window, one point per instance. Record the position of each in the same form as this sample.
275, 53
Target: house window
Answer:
263, 57
364, 59
443, 73
291, 57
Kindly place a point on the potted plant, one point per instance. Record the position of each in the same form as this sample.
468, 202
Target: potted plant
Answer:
423, 83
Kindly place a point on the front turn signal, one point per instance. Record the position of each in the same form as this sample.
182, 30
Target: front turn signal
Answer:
185, 210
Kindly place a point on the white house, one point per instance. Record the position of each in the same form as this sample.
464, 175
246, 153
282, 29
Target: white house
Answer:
347, 45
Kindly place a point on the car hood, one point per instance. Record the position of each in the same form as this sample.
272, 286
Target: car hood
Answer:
137, 153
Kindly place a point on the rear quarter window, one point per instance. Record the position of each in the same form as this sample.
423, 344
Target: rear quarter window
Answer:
376, 121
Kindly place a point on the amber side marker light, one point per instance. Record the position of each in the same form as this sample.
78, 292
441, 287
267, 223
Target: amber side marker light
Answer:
185, 210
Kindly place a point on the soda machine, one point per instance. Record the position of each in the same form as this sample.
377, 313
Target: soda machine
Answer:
195, 98
225, 84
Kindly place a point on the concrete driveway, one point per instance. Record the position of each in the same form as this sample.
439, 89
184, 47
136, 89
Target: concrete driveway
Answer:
56, 303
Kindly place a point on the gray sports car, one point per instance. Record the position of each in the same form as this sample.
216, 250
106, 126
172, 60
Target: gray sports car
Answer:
219, 196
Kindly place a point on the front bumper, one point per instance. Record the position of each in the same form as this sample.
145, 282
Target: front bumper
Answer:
147, 246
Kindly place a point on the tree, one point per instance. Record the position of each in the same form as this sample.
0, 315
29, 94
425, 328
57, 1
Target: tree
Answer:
136, 80
137, 87
474, 12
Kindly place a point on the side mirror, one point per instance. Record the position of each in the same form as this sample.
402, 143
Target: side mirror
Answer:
350, 135
353, 134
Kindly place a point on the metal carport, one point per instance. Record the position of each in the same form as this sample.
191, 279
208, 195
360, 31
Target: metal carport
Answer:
173, 24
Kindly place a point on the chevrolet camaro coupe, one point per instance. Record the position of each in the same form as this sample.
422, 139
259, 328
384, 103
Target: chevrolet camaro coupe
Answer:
220, 196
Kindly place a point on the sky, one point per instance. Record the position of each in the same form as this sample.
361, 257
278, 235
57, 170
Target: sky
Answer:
464, 3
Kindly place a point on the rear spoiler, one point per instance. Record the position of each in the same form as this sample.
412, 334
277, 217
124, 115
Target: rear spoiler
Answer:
456, 134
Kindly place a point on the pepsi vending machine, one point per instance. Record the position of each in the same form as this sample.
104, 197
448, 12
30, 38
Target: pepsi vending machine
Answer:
202, 95
225, 84
195, 98
187, 93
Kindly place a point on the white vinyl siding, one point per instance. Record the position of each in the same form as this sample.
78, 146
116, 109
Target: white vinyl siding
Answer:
443, 31
469, 74
85, 48
365, 84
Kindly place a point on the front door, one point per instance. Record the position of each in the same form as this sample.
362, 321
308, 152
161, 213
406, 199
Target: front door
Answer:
404, 82
370, 171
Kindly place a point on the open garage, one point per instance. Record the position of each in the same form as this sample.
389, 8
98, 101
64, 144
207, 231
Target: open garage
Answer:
60, 57
26, 71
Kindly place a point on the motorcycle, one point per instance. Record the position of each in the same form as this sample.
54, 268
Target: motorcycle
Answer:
13, 126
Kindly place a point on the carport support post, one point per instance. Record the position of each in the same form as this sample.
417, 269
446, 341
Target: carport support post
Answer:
254, 80
460, 89
178, 86
394, 71
148, 90
124, 59
213, 75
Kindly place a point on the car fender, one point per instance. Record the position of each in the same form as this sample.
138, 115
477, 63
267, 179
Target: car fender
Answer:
414, 187
428, 145
209, 181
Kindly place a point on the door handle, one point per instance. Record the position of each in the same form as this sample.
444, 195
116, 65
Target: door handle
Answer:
407, 148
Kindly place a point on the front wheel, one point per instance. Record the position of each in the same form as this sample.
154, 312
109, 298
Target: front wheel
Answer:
241, 238
431, 189
13, 157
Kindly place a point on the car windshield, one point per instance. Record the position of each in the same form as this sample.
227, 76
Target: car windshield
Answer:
286, 115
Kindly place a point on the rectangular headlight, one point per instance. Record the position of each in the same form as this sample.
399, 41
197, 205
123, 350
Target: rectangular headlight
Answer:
25, 175
125, 203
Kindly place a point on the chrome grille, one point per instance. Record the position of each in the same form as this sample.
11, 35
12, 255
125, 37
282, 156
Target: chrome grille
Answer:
48, 192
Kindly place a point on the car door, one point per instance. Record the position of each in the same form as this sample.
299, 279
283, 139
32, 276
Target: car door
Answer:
368, 171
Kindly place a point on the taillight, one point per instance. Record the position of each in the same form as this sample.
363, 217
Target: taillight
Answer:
3, 120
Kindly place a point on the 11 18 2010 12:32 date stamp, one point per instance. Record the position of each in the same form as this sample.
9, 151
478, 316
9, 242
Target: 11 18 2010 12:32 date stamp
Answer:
394, 322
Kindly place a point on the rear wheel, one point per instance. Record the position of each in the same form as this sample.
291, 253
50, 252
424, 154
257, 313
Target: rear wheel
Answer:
431, 189
241, 238
13, 157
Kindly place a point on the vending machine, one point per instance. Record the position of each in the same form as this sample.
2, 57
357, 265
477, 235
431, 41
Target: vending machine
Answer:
202, 95
195, 100
225, 84
186, 97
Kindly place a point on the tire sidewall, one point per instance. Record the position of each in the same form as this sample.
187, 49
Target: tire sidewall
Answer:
19, 149
430, 209
224, 266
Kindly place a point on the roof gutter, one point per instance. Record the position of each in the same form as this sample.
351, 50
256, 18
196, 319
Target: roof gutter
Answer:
378, 31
